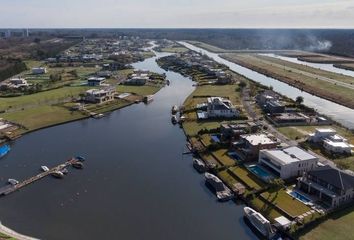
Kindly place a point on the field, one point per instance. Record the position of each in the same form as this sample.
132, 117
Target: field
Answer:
174, 49
139, 90
335, 90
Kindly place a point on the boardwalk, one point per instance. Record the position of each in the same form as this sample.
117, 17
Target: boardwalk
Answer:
10, 189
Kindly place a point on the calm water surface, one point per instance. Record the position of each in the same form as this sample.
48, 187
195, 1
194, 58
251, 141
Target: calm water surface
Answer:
136, 183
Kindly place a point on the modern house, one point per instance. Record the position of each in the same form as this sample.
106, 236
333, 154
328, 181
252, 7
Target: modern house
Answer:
15, 83
39, 70
95, 81
331, 186
221, 108
288, 162
331, 141
253, 143
100, 95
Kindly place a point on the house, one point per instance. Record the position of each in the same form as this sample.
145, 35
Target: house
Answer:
274, 106
235, 130
331, 141
95, 81
288, 162
105, 74
265, 96
253, 143
221, 108
15, 83
100, 95
331, 186
39, 70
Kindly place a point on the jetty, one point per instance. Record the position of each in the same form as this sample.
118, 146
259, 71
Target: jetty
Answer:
6, 190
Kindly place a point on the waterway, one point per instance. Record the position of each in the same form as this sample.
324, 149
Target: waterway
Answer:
337, 112
136, 183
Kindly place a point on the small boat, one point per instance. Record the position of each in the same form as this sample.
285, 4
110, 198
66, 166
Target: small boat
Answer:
13, 181
5, 149
174, 119
199, 165
148, 98
174, 109
57, 174
100, 115
259, 222
168, 82
65, 171
137, 101
44, 168
80, 158
78, 165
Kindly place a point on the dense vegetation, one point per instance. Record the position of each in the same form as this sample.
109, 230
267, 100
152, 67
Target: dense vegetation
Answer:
11, 67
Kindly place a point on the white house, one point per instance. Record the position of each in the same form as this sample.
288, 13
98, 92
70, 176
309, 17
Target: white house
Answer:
95, 81
100, 96
221, 108
39, 70
288, 162
17, 83
331, 141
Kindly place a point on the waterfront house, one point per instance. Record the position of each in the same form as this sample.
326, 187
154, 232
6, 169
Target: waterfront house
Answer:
39, 70
221, 108
15, 83
100, 95
288, 162
95, 81
253, 143
331, 141
331, 186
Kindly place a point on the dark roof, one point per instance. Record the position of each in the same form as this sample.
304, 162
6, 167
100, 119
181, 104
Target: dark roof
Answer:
333, 176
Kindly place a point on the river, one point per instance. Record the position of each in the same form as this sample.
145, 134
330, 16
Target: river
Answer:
136, 183
339, 113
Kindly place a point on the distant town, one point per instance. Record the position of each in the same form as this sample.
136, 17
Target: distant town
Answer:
265, 145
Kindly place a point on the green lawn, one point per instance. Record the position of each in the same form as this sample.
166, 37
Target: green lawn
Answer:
267, 210
222, 156
287, 203
227, 178
337, 227
193, 127
251, 181
140, 90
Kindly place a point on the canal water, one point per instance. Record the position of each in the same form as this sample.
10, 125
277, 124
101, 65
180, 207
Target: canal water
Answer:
339, 113
136, 183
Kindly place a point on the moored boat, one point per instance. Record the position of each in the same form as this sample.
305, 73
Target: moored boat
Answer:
57, 174
44, 168
5, 149
259, 222
148, 98
222, 192
78, 165
80, 158
199, 165
174, 119
13, 181
174, 109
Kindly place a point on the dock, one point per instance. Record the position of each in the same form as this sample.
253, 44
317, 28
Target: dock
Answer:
6, 190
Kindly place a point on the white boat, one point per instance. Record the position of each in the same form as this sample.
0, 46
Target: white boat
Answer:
222, 192
58, 174
259, 222
174, 109
13, 181
44, 168
174, 119
199, 165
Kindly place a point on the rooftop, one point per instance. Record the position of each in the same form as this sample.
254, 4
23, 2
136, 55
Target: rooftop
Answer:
256, 139
289, 155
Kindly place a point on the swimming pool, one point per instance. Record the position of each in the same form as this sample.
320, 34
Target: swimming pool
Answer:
300, 197
260, 172
234, 156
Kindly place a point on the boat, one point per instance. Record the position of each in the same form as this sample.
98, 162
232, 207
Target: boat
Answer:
78, 165
222, 192
100, 115
5, 149
199, 165
174, 119
44, 168
13, 181
148, 98
174, 109
168, 82
57, 174
258, 221
65, 171
80, 158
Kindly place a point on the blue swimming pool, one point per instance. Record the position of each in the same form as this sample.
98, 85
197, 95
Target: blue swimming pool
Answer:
4, 150
234, 156
260, 172
299, 196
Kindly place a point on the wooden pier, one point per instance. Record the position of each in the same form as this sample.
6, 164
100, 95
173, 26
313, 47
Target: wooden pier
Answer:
13, 188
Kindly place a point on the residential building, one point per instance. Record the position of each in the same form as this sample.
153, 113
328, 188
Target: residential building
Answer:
39, 70
253, 143
15, 83
288, 162
95, 81
100, 95
321, 134
274, 106
330, 185
221, 108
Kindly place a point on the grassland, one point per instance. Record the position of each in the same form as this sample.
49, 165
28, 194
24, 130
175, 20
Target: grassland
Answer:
306, 82
174, 49
139, 90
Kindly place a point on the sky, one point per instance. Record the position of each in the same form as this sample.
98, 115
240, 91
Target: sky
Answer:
176, 14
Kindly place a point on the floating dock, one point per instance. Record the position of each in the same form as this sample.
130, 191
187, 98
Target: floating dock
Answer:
13, 188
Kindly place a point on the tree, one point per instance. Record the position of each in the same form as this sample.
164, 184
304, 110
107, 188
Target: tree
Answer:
299, 100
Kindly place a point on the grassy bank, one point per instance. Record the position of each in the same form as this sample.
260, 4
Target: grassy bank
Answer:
333, 92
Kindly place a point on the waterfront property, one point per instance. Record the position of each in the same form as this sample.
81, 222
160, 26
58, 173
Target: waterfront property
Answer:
100, 95
331, 141
39, 70
331, 186
288, 162
253, 143
95, 81
218, 107
15, 83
